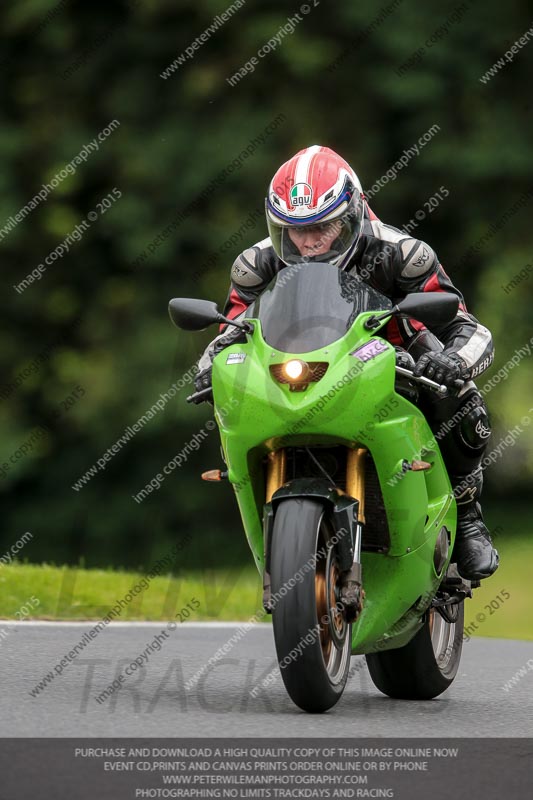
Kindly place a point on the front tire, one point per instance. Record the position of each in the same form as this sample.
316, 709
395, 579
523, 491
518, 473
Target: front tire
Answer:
313, 639
427, 665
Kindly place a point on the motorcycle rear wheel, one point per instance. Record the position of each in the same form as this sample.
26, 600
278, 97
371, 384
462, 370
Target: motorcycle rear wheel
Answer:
312, 636
427, 665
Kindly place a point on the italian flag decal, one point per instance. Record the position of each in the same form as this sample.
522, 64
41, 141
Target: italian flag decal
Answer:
301, 194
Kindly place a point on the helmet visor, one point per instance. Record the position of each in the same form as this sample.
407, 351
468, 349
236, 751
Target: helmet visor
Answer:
327, 242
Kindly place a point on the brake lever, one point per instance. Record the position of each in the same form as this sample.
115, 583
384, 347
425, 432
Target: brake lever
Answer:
436, 387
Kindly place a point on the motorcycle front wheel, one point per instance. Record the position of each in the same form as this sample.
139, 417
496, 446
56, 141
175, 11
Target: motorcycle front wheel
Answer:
312, 637
427, 665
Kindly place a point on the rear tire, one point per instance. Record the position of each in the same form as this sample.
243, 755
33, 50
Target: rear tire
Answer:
313, 639
427, 665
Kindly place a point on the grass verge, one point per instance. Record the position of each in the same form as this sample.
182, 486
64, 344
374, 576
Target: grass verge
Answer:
69, 593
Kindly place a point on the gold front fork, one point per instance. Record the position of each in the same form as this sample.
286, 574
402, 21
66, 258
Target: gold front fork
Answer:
355, 478
276, 471
275, 478
355, 475
352, 592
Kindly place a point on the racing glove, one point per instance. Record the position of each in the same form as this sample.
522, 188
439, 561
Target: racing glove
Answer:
442, 367
203, 379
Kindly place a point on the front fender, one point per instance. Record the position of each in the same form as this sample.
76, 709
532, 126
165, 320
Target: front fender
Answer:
344, 510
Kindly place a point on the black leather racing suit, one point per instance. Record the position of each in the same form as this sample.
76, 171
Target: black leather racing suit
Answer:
396, 264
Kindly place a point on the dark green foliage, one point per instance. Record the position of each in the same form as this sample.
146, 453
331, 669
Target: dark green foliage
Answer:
97, 317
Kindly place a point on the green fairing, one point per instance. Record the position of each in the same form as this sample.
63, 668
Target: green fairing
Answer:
269, 416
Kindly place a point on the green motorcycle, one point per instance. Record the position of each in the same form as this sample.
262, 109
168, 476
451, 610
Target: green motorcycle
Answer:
342, 489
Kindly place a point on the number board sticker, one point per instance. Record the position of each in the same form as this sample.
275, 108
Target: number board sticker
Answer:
235, 358
370, 350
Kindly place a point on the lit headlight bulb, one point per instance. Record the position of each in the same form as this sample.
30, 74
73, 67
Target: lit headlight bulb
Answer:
295, 370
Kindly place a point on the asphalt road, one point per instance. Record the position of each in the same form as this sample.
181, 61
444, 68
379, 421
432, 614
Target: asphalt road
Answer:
155, 702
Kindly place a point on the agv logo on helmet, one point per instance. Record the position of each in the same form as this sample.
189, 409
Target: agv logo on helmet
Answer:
301, 195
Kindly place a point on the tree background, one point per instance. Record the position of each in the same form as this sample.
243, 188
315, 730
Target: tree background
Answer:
97, 318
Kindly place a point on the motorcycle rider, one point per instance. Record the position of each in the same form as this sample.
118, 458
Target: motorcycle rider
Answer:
316, 211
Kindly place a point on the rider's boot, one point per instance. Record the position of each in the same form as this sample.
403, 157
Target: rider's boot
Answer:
473, 552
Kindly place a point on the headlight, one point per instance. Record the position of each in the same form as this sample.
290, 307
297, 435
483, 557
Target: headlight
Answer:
295, 370
298, 374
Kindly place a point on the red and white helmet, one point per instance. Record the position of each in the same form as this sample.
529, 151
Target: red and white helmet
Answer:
316, 189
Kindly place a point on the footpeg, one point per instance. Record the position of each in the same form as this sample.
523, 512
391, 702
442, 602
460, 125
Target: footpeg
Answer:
452, 591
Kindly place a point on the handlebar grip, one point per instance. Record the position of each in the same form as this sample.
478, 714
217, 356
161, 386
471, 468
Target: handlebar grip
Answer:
201, 396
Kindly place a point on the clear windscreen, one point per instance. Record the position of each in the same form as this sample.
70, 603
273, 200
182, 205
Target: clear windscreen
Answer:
309, 306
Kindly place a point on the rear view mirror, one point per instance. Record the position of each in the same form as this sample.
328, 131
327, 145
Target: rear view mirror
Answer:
193, 315
430, 308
